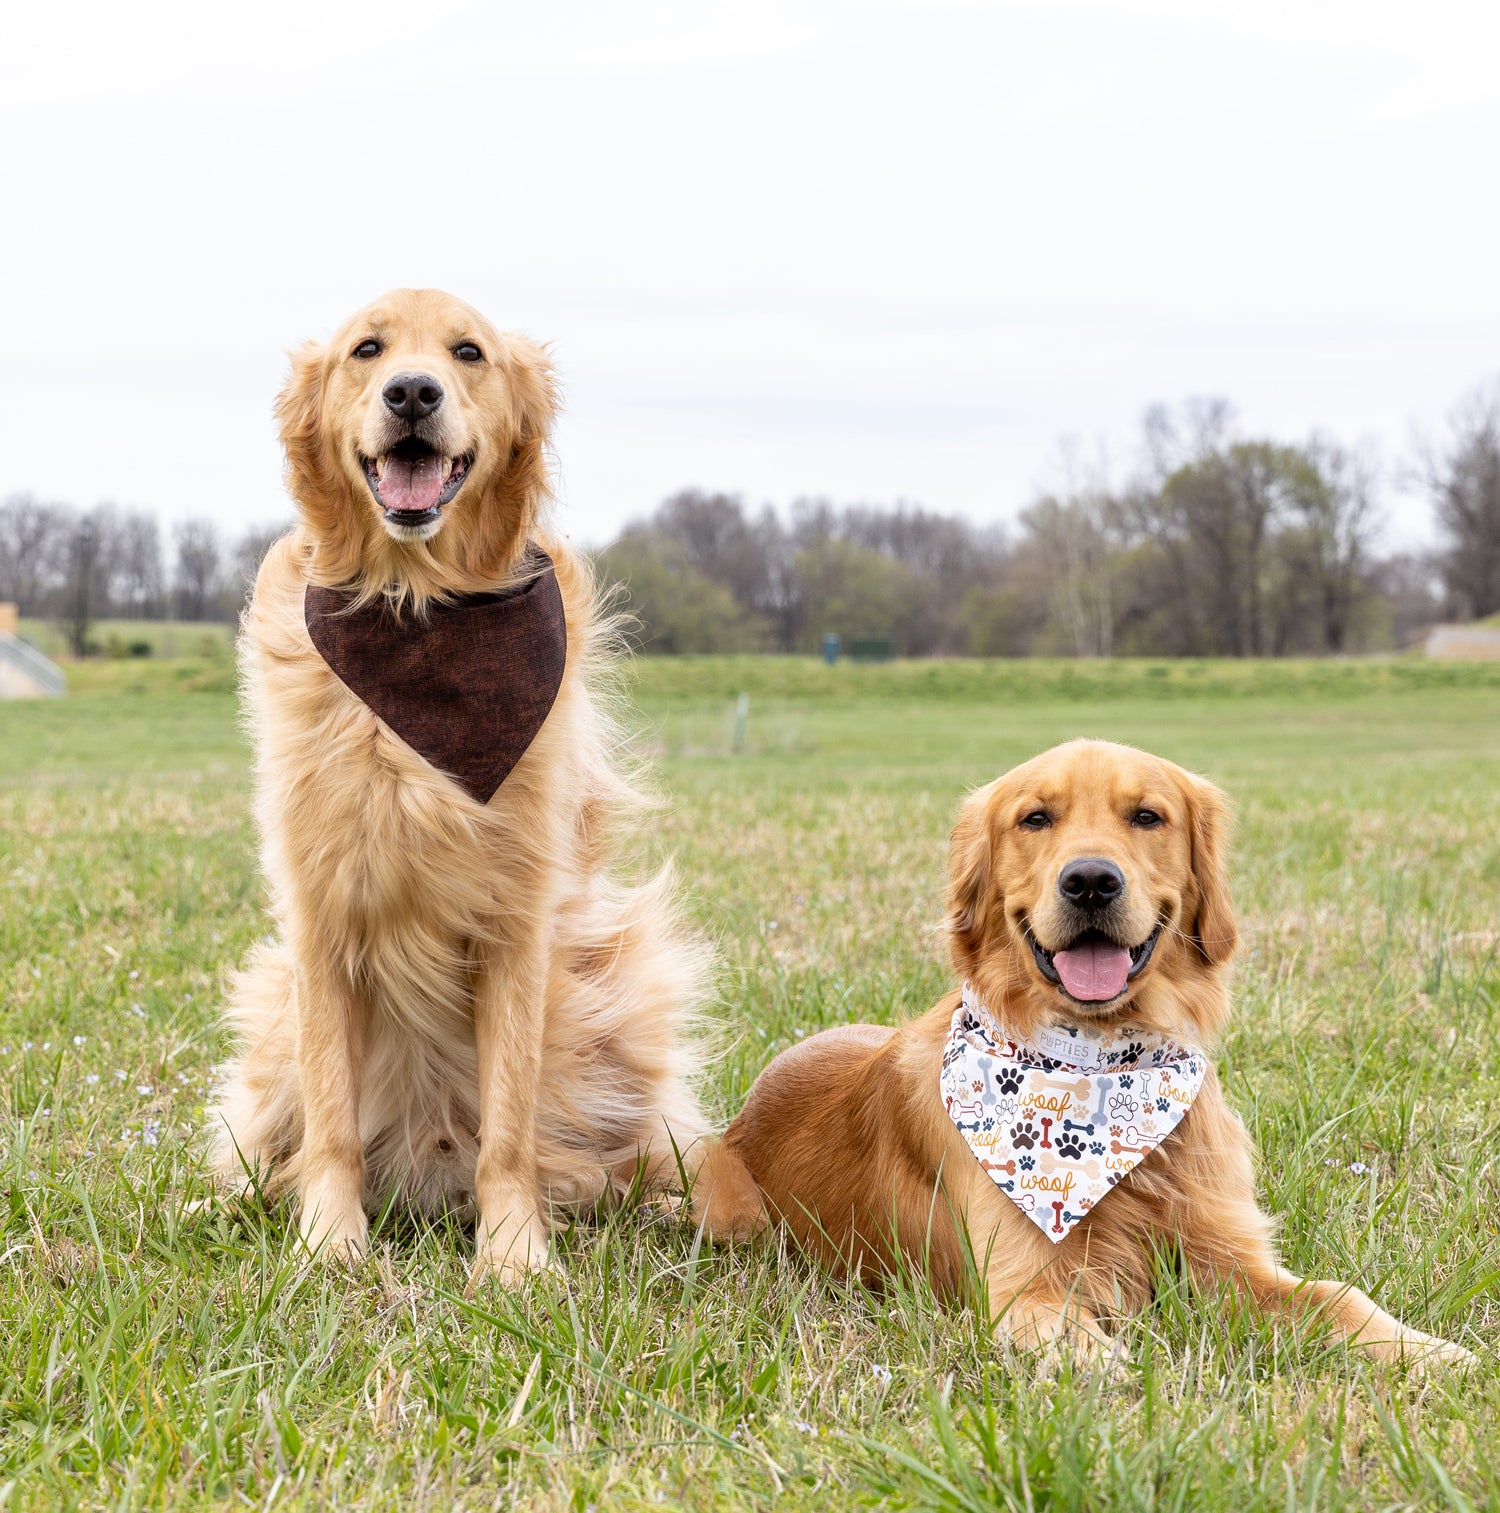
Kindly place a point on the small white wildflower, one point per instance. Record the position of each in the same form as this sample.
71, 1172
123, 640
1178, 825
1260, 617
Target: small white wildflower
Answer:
882, 1374
119, 1075
26, 1045
80, 1040
46, 1045
151, 1133
770, 924
136, 973
804, 1426
138, 1011
1358, 1168
92, 1078
144, 1089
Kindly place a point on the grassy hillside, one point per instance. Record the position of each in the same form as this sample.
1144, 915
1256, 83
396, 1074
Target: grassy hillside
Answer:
134, 638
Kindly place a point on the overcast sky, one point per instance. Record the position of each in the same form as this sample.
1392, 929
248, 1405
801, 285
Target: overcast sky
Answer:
868, 251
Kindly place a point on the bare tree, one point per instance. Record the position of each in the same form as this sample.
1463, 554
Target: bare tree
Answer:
1076, 535
197, 578
35, 546
1410, 586
1214, 513
1069, 545
136, 568
717, 539
85, 565
250, 551
1463, 480
1334, 502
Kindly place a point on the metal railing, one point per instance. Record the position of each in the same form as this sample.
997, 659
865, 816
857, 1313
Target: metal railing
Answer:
47, 675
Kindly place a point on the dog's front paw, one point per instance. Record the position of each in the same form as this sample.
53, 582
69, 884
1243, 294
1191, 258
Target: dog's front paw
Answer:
1421, 1353
509, 1250
1057, 1337
335, 1234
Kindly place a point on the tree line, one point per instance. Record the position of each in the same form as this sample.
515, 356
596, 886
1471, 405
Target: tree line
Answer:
1222, 544
76, 566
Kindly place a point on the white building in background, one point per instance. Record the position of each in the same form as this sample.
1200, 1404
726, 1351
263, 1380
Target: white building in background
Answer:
24, 672
1463, 643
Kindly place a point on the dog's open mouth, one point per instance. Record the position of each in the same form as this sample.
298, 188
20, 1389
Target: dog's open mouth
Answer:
1094, 969
413, 481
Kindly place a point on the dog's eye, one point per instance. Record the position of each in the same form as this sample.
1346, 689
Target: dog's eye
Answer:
368, 348
466, 351
1145, 819
1038, 819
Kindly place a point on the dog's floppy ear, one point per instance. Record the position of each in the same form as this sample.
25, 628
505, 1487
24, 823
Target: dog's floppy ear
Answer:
1212, 925
971, 882
299, 413
533, 389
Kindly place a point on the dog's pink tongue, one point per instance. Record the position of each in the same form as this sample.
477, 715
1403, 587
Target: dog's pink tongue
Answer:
412, 485
1093, 972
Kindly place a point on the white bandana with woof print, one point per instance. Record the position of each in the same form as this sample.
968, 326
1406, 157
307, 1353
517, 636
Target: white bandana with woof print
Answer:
1057, 1120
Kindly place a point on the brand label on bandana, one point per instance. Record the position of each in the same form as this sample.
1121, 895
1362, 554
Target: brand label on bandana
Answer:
1057, 1120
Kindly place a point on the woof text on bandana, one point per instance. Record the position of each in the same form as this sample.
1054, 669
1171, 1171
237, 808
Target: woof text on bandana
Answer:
1057, 1120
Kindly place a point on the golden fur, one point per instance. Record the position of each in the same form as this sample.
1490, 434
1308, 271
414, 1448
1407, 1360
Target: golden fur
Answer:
461, 1006
845, 1140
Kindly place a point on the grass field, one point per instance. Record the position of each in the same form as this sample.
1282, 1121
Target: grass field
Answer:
209, 639
152, 1355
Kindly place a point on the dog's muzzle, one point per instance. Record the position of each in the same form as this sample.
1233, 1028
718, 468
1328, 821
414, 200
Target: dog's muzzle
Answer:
413, 481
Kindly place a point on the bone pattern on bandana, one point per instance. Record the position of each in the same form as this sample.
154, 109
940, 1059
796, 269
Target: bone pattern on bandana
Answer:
1058, 1120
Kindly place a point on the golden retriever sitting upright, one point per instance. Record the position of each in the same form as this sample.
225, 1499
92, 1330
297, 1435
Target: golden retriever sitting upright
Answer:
461, 1009
1062, 1108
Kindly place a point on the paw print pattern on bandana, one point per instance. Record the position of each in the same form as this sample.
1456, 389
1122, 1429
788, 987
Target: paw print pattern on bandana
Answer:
1059, 1121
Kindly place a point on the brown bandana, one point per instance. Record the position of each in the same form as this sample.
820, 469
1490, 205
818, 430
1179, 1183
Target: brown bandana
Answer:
469, 687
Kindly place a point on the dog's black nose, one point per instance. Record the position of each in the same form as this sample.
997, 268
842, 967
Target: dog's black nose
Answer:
412, 395
1091, 882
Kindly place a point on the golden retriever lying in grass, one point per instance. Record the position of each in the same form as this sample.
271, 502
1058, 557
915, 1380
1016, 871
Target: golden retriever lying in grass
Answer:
461, 1008
1062, 1111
